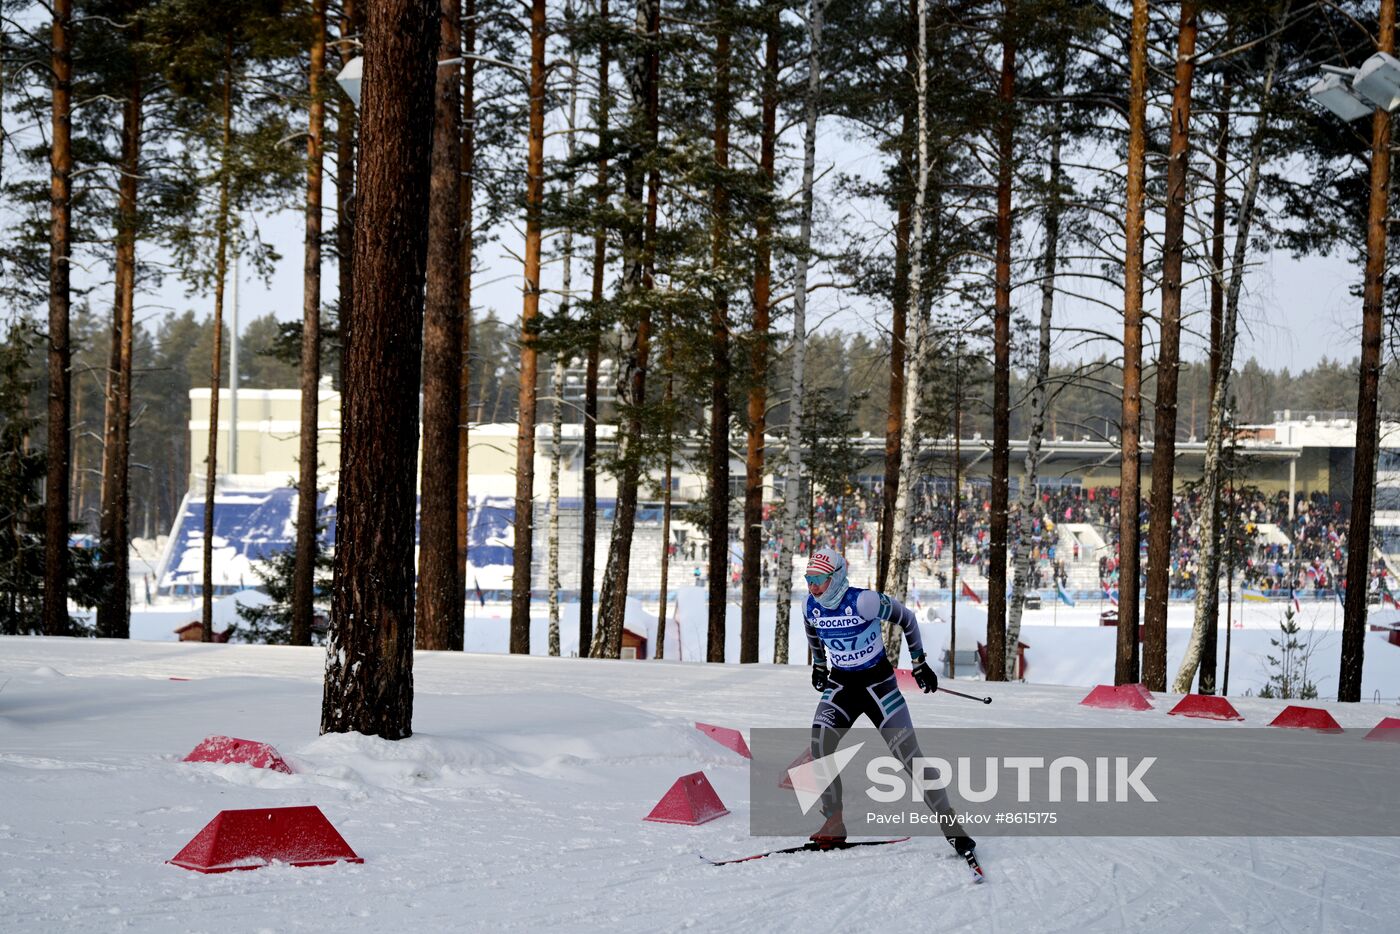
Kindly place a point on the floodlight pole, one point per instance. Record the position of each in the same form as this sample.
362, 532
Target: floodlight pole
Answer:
1364, 464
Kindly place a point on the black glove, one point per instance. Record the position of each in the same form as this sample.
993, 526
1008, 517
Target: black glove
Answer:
924, 676
819, 677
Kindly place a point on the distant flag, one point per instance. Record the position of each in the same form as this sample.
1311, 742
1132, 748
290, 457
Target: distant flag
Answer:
1253, 596
1109, 593
1293, 599
970, 593
1388, 600
1064, 597
479, 595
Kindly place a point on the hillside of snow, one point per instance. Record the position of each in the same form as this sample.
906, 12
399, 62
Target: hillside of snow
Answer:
518, 802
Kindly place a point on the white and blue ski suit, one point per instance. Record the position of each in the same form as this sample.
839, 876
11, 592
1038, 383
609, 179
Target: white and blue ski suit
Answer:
861, 680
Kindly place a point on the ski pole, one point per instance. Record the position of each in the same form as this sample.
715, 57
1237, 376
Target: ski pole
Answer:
985, 700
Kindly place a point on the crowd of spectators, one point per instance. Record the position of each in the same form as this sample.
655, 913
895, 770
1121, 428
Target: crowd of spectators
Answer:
1308, 555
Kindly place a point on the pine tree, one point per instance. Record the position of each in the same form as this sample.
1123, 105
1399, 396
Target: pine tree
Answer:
1288, 670
275, 623
369, 663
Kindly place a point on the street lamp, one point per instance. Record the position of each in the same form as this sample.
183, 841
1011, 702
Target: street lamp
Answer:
1353, 93
350, 75
349, 79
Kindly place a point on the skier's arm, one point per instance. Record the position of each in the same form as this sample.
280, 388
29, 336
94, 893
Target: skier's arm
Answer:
873, 605
815, 643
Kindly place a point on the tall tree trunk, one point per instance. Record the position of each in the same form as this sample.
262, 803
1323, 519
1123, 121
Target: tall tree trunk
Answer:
304, 573
529, 315
899, 309
556, 420
369, 656
758, 391
57, 484
556, 445
902, 538
1030, 499
1213, 511
351, 24
792, 477
1129, 483
466, 244
590, 379
1208, 585
114, 613
719, 348
667, 404
441, 603
1159, 539
1363, 484
1001, 370
221, 227
894, 411
642, 80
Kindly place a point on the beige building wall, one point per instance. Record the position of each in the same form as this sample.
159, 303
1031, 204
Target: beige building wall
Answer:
269, 425
269, 434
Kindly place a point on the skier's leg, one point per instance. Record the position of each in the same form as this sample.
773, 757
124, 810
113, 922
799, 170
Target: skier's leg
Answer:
829, 724
897, 728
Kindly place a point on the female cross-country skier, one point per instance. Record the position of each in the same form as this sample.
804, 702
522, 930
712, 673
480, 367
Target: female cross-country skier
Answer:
843, 627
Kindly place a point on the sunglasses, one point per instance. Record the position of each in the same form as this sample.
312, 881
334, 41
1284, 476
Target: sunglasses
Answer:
816, 580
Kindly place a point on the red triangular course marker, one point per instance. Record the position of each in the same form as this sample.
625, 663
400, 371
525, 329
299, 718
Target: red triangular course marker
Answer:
691, 800
729, 739
904, 678
1117, 697
231, 750
800, 760
251, 839
1205, 706
1142, 689
1295, 717
1387, 731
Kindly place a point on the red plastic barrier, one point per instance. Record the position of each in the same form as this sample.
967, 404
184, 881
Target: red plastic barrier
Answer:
1117, 697
1205, 706
1142, 690
231, 750
1387, 731
251, 839
691, 800
729, 739
800, 760
1306, 718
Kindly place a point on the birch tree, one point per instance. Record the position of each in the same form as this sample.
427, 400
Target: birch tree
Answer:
1040, 381
642, 79
920, 347
556, 421
1207, 594
529, 351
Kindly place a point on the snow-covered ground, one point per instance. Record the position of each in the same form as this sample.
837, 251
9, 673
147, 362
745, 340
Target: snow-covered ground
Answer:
518, 805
